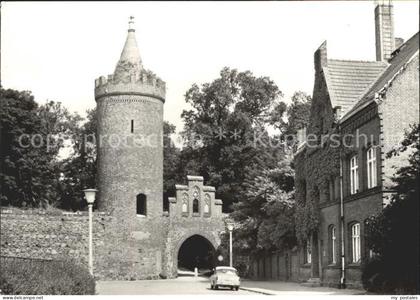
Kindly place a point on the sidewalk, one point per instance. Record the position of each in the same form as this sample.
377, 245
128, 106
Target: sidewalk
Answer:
292, 288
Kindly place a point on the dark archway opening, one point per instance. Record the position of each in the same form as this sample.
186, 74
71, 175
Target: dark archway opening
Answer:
196, 251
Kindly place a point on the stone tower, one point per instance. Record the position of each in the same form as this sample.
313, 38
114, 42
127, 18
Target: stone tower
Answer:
130, 164
143, 241
130, 124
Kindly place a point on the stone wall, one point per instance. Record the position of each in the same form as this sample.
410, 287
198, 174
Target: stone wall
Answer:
51, 235
143, 248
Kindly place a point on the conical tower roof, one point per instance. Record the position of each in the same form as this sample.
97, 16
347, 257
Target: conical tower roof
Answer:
130, 60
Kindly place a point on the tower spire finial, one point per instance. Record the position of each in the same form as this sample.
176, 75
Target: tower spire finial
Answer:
131, 24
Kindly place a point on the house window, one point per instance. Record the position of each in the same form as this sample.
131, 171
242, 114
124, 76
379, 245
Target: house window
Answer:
355, 243
308, 252
354, 175
132, 126
141, 205
333, 244
195, 206
371, 167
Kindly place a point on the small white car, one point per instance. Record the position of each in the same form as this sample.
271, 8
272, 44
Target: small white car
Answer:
225, 277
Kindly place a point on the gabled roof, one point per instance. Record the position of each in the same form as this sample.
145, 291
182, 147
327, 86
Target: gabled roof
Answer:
399, 59
347, 80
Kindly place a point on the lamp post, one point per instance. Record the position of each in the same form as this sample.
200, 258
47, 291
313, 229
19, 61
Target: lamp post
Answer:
90, 198
230, 228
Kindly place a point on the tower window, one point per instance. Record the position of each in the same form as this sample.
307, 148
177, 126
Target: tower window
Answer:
141, 204
132, 126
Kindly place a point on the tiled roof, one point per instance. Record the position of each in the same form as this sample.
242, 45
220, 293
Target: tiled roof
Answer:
347, 80
400, 57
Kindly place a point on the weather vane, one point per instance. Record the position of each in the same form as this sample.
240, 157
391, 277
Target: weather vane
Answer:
131, 23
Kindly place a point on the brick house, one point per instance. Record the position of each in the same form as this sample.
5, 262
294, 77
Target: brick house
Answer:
367, 105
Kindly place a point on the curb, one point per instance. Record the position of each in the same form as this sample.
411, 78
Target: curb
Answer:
256, 291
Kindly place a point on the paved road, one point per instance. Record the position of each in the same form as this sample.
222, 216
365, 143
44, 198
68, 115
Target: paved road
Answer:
181, 285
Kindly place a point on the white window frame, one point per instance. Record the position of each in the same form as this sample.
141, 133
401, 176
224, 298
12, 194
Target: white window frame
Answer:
333, 244
371, 167
354, 175
355, 242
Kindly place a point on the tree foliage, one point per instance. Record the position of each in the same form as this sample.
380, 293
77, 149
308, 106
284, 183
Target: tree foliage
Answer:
393, 234
226, 118
31, 138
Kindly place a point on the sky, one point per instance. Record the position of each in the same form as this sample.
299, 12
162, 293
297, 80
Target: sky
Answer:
56, 50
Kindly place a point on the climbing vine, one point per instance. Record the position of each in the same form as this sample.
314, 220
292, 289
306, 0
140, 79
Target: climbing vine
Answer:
315, 166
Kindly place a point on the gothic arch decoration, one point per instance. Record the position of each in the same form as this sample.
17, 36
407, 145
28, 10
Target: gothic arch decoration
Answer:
185, 204
207, 205
196, 200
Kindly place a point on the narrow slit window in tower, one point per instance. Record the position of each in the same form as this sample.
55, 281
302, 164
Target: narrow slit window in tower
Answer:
141, 205
132, 126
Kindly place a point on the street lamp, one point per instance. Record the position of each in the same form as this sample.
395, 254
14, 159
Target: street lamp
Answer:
229, 226
90, 199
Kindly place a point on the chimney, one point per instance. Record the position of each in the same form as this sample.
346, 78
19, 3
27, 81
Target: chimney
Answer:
384, 30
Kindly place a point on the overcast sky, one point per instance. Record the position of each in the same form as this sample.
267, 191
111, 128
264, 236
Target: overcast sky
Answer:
56, 50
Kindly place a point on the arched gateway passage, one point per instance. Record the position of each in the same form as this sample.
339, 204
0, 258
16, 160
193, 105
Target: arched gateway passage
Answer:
196, 251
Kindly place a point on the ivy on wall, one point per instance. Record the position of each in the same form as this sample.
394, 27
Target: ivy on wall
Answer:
315, 167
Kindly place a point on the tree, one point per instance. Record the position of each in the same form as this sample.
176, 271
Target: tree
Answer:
78, 171
31, 140
265, 215
171, 164
393, 234
225, 131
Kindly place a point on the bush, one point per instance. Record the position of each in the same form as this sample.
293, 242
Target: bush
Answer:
42, 277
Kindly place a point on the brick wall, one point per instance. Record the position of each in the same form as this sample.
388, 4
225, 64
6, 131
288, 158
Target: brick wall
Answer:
399, 109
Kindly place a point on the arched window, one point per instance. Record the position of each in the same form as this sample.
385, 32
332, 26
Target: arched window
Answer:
332, 239
355, 242
196, 203
141, 205
196, 208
